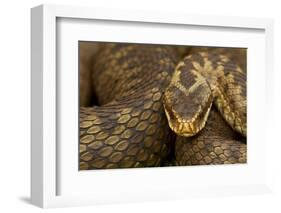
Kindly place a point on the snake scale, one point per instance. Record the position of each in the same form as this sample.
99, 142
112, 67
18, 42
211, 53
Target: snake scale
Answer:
154, 108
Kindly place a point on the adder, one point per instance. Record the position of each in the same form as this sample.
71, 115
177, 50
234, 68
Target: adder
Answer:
156, 108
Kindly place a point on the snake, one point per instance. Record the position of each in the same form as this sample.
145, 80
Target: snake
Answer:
153, 107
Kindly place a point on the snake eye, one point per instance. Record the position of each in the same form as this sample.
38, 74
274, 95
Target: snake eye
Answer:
187, 101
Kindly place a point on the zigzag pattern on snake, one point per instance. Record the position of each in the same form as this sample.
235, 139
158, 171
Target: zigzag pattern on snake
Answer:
129, 127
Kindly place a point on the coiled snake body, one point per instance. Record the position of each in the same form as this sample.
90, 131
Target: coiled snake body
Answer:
144, 94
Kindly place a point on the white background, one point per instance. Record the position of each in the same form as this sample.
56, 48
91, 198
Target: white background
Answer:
15, 106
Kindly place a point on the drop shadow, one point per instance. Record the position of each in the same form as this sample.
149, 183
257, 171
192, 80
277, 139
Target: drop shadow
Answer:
26, 199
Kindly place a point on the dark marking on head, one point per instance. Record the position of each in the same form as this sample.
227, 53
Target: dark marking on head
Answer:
198, 58
187, 78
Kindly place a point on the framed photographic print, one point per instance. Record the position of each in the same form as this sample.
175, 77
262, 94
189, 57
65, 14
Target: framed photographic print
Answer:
132, 105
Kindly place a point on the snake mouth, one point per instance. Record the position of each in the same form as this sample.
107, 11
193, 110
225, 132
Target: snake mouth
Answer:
187, 127
179, 126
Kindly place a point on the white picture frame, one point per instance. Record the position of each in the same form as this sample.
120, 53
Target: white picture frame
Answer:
52, 185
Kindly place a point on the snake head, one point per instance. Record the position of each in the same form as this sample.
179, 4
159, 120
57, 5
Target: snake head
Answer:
187, 102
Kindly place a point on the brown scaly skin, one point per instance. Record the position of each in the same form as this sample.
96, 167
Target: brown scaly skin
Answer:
217, 143
238, 55
129, 128
200, 80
